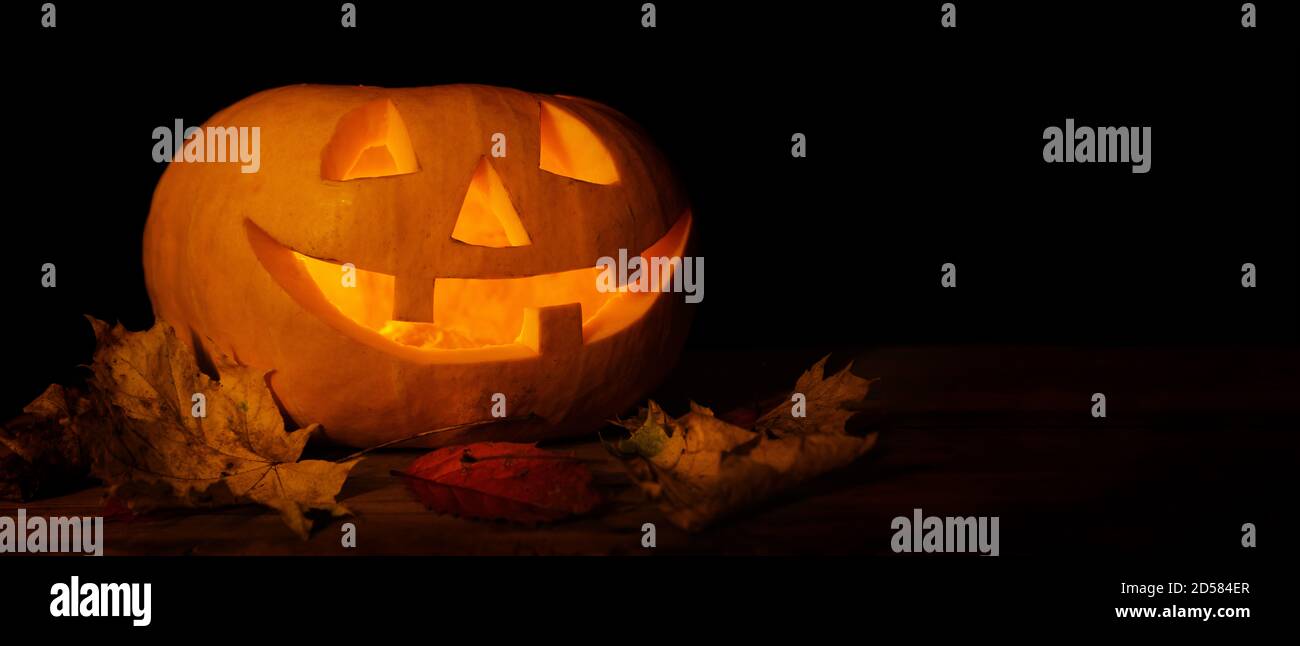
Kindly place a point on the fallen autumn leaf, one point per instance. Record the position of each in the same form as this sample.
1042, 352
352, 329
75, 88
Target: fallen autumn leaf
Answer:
147, 445
701, 468
502, 481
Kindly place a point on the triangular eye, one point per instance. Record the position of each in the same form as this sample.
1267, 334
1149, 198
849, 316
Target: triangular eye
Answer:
369, 141
487, 218
571, 149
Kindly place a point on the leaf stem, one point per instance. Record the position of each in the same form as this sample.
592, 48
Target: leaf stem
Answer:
435, 431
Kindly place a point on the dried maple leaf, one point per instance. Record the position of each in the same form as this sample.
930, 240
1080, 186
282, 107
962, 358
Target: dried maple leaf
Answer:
152, 450
700, 468
828, 402
502, 481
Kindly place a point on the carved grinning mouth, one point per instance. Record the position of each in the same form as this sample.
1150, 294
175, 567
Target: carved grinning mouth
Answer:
473, 319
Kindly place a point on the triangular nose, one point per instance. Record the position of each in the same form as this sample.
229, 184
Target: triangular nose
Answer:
487, 218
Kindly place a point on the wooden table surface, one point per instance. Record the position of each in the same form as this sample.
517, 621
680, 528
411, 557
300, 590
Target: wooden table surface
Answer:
1195, 442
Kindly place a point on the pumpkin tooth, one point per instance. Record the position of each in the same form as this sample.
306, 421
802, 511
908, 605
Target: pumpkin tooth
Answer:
556, 329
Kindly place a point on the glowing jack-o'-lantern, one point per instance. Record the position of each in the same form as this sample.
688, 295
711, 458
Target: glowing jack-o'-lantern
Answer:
394, 275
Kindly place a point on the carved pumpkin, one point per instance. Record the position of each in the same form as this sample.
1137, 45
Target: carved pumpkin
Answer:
471, 274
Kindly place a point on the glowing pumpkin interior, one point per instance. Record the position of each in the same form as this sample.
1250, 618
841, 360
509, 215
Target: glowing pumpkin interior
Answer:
473, 319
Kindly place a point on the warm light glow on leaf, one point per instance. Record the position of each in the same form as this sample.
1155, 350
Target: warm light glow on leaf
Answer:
487, 218
571, 149
369, 141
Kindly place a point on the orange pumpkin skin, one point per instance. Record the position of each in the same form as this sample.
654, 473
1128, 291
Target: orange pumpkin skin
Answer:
229, 260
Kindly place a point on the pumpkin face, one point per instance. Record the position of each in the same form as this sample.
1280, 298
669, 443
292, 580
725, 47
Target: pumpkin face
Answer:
394, 272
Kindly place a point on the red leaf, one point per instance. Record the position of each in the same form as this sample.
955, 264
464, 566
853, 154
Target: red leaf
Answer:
502, 480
